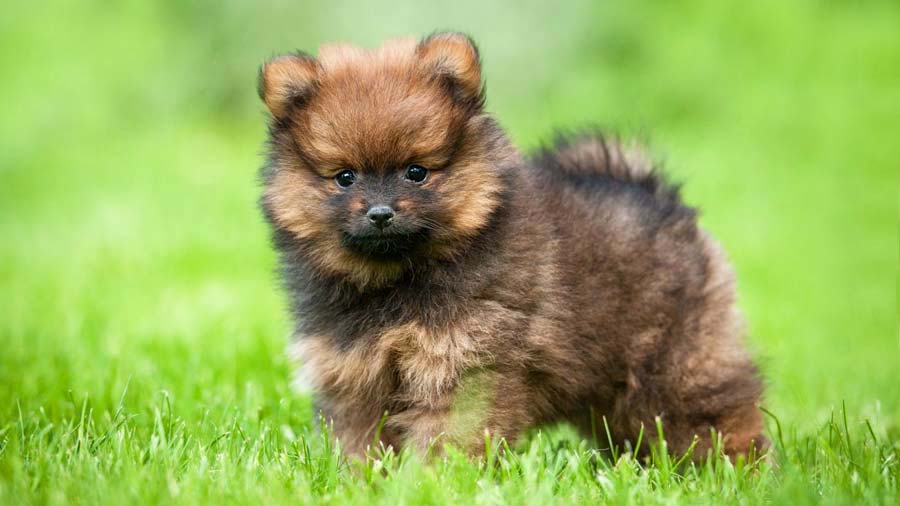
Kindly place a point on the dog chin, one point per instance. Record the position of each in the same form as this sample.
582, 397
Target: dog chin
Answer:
385, 247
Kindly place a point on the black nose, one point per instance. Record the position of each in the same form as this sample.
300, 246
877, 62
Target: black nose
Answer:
380, 216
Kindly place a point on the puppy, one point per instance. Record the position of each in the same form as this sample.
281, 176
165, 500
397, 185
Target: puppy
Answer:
443, 285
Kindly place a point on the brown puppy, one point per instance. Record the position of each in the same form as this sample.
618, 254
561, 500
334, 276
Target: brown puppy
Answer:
438, 276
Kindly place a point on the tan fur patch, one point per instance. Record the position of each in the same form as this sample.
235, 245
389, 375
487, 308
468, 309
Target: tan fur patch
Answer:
475, 195
430, 367
294, 196
429, 363
356, 373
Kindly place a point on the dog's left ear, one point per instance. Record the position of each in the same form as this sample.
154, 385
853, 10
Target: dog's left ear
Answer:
454, 58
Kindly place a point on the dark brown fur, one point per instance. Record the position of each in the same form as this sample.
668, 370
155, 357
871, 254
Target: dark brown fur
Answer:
526, 291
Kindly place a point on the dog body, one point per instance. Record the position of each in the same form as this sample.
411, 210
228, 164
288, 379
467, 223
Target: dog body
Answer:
438, 277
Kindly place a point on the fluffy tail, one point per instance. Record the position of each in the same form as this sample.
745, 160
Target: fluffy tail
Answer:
589, 154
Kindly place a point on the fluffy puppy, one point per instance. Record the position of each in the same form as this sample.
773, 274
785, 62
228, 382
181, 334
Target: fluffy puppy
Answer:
439, 277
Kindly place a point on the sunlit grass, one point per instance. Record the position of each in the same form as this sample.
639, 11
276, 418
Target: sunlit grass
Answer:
153, 454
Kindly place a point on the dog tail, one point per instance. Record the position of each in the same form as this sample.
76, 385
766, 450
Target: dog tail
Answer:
591, 153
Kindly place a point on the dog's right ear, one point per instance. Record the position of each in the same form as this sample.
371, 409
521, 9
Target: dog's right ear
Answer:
286, 81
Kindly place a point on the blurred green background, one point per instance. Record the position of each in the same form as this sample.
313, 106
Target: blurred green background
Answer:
131, 248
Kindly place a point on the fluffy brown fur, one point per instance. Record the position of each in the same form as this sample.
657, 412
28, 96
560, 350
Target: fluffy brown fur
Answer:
506, 292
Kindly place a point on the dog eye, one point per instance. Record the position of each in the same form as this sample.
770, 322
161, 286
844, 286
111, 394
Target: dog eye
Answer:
345, 178
416, 173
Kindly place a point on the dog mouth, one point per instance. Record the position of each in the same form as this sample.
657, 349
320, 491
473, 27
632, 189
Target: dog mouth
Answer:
385, 246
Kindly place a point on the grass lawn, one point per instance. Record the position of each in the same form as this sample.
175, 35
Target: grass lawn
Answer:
142, 333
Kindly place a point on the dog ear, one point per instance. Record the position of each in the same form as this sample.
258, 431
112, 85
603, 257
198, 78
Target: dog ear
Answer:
287, 81
454, 58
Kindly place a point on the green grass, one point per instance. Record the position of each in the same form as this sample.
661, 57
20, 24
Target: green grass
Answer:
142, 334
